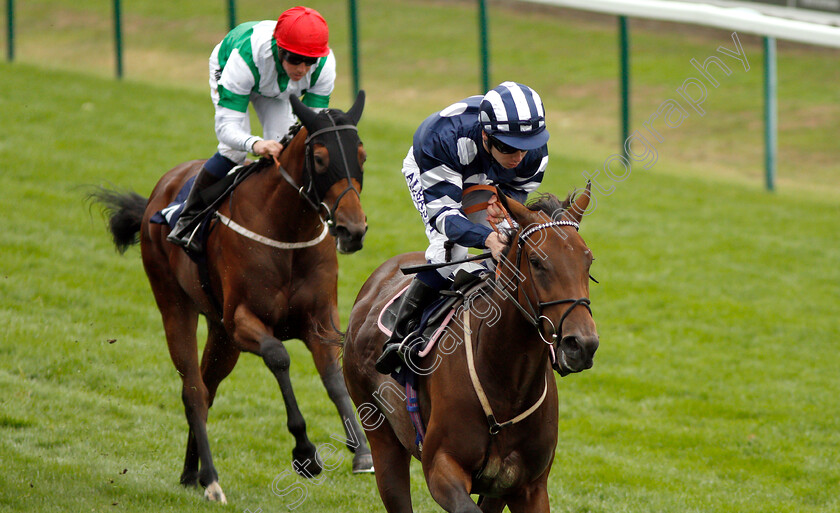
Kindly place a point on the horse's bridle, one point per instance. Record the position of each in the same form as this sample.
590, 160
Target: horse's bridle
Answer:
310, 191
535, 315
316, 189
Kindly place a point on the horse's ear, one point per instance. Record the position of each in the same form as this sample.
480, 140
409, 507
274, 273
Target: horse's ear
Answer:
578, 207
517, 210
304, 113
355, 111
502, 198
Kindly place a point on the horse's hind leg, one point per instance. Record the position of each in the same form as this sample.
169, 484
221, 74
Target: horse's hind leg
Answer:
180, 320
217, 362
180, 336
189, 476
219, 359
391, 461
326, 357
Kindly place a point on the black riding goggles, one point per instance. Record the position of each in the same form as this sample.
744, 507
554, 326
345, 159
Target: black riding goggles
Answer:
296, 59
501, 147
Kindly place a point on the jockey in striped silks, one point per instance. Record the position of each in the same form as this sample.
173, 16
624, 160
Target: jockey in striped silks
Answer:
499, 140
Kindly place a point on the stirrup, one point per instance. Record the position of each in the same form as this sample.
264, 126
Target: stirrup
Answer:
393, 356
188, 242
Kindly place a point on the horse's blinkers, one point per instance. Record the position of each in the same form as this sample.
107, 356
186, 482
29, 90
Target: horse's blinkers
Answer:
316, 185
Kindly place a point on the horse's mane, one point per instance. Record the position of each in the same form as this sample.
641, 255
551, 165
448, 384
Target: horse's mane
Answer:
257, 165
549, 204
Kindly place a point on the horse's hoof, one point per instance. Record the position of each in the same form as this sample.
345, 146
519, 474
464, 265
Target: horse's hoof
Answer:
305, 462
363, 464
307, 468
214, 493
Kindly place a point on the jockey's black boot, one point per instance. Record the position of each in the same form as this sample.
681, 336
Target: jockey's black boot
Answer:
416, 298
182, 233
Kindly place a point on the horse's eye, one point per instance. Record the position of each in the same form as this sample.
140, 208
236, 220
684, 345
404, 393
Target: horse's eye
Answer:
536, 262
362, 154
320, 165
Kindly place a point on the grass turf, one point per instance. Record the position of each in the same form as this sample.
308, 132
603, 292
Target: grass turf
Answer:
714, 386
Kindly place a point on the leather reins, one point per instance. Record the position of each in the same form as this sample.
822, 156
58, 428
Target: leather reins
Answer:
534, 317
311, 193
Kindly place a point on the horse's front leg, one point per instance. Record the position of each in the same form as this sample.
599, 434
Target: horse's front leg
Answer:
448, 482
531, 499
491, 504
253, 336
325, 352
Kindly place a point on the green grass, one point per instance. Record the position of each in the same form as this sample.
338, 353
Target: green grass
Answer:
713, 389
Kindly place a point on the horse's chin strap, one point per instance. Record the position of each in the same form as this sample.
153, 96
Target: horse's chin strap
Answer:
495, 426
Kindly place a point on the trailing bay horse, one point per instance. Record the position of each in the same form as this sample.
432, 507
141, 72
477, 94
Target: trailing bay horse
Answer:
486, 390
271, 274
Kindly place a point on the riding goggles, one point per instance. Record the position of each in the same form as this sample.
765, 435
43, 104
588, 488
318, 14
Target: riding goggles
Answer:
501, 147
296, 59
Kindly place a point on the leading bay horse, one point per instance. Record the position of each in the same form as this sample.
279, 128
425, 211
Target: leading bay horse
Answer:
487, 392
270, 275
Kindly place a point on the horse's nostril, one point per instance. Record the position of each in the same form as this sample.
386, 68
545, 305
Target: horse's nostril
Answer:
571, 346
351, 233
349, 239
341, 232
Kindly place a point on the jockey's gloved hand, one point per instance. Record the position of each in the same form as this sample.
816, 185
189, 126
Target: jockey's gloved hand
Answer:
267, 148
497, 244
495, 210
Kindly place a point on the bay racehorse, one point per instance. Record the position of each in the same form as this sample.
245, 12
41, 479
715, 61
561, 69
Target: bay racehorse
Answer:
488, 399
270, 274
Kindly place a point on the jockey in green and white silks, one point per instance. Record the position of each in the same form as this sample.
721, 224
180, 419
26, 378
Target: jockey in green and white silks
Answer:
262, 63
246, 68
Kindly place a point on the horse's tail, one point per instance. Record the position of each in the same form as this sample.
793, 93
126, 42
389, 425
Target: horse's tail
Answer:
124, 211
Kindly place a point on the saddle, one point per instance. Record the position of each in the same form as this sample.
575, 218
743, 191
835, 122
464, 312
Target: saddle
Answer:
433, 323
170, 214
212, 196
435, 317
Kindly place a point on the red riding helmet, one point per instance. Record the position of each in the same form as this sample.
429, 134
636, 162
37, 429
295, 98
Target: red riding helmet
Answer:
303, 31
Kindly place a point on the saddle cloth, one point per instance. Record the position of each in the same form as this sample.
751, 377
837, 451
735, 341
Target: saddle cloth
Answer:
225, 185
172, 212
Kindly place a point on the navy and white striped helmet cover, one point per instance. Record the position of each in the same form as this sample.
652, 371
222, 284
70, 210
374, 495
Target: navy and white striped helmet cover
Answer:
512, 109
